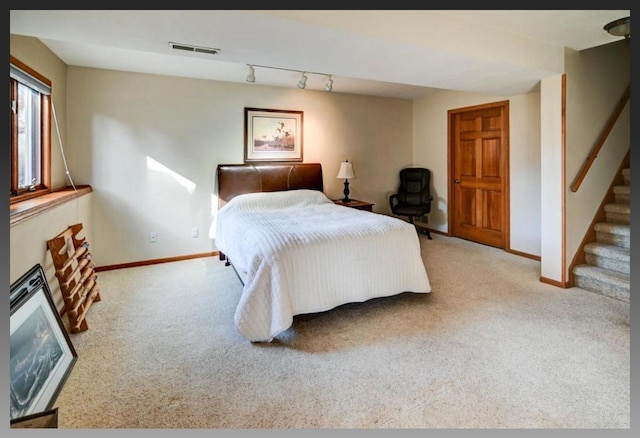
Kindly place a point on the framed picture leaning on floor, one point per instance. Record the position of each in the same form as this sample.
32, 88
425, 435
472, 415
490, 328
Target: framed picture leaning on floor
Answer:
42, 355
39, 420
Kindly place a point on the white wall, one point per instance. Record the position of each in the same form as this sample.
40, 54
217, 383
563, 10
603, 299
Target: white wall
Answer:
552, 179
28, 239
117, 120
431, 151
124, 126
596, 79
524, 163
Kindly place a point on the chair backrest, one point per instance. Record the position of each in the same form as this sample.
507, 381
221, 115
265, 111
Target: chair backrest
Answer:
414, 186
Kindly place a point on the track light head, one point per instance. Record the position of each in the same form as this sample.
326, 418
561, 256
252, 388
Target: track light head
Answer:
251, 77
302, 83
328, 86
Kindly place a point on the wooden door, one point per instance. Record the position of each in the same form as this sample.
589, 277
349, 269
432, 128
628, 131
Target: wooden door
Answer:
479, 174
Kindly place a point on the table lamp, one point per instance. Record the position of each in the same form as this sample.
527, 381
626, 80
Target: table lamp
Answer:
346, 172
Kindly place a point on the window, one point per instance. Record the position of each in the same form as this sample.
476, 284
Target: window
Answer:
30, 109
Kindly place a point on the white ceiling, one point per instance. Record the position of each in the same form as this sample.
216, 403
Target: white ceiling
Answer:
389, 53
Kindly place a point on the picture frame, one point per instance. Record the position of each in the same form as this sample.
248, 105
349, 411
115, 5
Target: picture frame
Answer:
39, 420
273, 135
41, 353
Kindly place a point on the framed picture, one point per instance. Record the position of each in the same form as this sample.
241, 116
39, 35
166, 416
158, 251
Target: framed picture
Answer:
272, 135
39, 420
41, 353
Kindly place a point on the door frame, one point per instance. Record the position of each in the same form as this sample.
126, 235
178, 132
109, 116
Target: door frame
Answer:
506, 211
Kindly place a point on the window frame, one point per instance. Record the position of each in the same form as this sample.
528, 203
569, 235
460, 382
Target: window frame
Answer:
45, 137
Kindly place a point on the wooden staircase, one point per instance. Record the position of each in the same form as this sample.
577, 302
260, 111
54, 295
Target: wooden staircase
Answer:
607, 259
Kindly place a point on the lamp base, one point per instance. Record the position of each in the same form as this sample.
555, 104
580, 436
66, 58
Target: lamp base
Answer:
346, 191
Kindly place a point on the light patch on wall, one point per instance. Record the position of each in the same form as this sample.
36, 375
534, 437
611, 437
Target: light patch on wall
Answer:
214, 205
159, 167
214, 212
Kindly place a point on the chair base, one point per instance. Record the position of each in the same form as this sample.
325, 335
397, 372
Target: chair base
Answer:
425, 231
420, 229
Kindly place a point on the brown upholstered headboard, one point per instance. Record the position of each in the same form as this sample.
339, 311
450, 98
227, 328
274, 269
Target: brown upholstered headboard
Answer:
238, 179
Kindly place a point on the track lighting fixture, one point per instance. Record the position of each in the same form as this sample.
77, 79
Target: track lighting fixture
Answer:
328, 86
251, 77
302, 83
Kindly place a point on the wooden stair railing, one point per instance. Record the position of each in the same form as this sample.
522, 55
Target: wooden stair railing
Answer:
603, 137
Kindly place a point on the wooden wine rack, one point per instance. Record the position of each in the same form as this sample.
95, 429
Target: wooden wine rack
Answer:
76, 275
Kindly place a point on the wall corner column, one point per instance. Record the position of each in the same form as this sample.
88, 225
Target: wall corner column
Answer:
553, 180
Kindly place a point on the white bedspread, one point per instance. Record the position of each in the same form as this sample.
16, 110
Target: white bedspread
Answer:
298, 252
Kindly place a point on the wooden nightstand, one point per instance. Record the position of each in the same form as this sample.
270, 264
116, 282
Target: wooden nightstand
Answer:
360, 205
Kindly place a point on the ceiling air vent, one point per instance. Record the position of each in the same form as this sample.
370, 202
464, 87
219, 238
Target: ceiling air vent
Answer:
196, 49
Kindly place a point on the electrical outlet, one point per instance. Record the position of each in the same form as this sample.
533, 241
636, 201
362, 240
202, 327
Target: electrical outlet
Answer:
153, 237
194, 232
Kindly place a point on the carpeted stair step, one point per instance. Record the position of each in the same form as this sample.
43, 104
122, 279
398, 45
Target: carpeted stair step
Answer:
610, 257
622, 194
603, 281
626, 174
617, 213
613, 234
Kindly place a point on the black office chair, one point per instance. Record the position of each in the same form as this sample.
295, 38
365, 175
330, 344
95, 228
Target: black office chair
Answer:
413, 197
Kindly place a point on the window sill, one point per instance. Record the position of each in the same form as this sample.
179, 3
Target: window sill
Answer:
23, 210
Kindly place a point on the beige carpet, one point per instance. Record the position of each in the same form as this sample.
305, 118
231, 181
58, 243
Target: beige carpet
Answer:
490, 347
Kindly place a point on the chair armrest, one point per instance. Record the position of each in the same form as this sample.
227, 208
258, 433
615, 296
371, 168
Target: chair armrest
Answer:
428, 204
393, 198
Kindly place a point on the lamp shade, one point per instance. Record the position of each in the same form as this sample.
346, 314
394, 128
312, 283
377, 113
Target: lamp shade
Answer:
346, 171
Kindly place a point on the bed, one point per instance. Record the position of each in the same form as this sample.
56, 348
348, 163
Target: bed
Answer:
296, 251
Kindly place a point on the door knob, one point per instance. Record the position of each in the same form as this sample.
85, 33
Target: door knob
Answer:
457, 181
